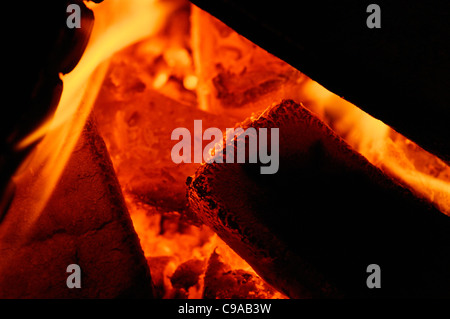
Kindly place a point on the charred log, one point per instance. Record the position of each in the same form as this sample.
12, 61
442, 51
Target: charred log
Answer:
85, 222
137, 130
312, 229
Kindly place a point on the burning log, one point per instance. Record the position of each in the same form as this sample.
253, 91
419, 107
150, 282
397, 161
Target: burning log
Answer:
394, 73
85, 222
187, 274
238, 83
312, 229
137, 130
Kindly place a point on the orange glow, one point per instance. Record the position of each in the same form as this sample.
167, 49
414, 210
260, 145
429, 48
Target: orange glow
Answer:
178, 72
423, 173
117, 25
400, 158
191, 243
165, 63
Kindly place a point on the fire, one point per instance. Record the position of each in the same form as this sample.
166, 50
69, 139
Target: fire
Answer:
423, 173
117, 25
142, 45
159, 71
166, 239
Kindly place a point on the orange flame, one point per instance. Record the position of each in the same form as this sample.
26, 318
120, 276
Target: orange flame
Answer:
423, 173
118, 24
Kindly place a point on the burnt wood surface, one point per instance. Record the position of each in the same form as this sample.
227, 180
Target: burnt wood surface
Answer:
85, 222
399, 73
312, 229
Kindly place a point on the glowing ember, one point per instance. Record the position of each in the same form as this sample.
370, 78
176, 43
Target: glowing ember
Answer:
149, 90
165, 70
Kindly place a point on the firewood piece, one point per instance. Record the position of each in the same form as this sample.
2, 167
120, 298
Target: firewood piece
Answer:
312, 229
137, 130
85, 222
221, 282
397, 73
